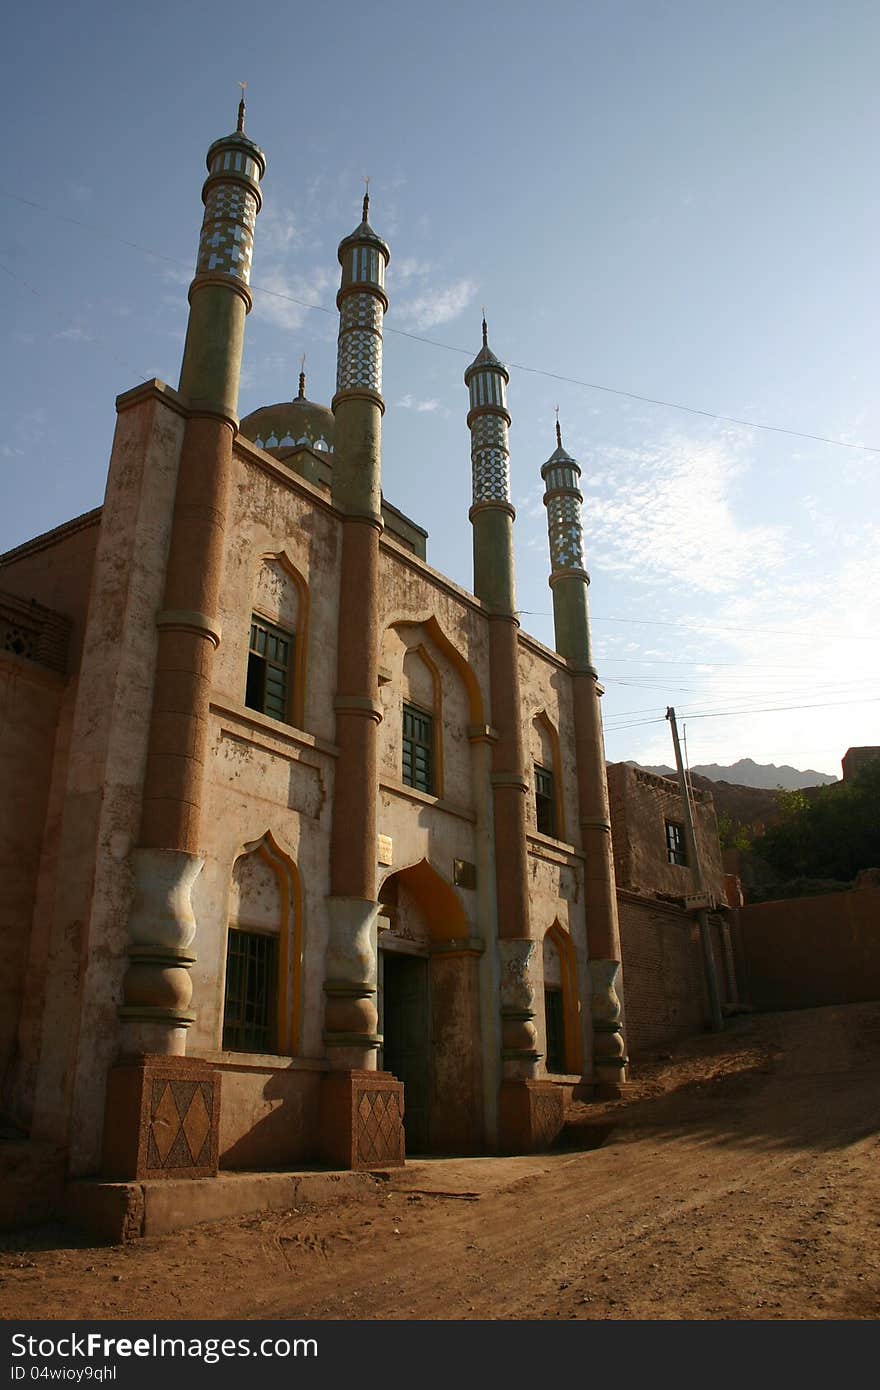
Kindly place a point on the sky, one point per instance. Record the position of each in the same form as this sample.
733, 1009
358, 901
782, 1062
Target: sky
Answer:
656, 200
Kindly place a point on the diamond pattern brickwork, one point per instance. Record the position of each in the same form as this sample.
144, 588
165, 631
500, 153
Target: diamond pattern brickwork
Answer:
361, 311
180, 1124
491, 476
547, 1116
359, 361
378, 1124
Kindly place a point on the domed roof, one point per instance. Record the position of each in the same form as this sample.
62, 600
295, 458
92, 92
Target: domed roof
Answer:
290, 424
364, 233
486, 358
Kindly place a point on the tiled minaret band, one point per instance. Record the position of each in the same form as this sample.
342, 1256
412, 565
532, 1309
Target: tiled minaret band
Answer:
358, 404
219, 294
491, 514
569, 582
169, 857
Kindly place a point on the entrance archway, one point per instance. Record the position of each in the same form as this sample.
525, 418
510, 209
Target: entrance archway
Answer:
429, 1010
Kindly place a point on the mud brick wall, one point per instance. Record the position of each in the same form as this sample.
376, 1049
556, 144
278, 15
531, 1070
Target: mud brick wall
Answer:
664, 985
805, 952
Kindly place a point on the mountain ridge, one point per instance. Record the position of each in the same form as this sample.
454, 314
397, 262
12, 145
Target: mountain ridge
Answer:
747, 773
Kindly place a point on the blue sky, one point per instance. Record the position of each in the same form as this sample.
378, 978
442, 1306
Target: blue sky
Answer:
676, 200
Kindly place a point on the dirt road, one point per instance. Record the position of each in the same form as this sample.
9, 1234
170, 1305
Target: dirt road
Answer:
739, 1180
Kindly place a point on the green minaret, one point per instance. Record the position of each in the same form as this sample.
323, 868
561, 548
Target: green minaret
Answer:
568, 577
219, 295
358, 405
569, 581
491, 512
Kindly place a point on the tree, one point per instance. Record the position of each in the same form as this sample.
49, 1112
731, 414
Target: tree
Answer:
833, 834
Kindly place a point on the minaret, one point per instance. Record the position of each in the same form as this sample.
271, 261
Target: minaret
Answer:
168, 860
358, 405
350, 1017
569, 582
568, 578
491, 513
492, 517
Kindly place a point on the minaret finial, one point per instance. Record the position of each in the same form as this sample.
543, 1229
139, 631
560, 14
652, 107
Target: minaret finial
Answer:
241, 108
558, 429
366, 197
302, 377
485, 329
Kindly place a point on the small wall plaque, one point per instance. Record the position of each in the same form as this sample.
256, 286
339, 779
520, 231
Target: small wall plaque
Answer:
385, 849
464, 873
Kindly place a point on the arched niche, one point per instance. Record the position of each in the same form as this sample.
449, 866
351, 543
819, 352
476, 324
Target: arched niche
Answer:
430, 1009
545, 753
560, 975
265, 906
281, 595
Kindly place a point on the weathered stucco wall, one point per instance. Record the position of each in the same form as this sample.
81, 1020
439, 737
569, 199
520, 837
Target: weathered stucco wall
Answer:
56, 570
641, 803
100, 818
804, 952
30, 702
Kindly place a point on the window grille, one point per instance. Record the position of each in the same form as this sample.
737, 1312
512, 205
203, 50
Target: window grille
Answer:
250, 1007
676, 850
554, 1020
418, 749
270, 661
21, 641
545, 800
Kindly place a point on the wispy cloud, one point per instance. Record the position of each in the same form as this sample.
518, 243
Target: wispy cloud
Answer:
435, 306
672, 515
410, 402
289, 296
74, 334
279, 231
409, 268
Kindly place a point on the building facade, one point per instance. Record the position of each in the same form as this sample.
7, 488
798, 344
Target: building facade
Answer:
309, 848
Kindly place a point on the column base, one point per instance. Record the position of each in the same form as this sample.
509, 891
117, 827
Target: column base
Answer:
161, 1119
361, 1120
530, 1115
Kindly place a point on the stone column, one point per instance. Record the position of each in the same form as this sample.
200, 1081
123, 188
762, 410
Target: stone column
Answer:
157, 988
529, 1110
361, 1109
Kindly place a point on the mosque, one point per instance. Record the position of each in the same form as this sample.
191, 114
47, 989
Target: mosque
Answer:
310, 856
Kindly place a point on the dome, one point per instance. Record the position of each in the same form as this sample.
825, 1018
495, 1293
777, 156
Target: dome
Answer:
289, 425
486, 359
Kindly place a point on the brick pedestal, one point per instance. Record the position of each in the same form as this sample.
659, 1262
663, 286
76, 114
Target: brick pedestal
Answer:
362, 1120
530, 1115
161, 1119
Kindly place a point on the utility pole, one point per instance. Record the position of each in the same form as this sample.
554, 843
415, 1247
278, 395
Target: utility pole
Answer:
699, 883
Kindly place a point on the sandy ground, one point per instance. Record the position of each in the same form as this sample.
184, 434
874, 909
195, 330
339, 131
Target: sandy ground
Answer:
739, 1179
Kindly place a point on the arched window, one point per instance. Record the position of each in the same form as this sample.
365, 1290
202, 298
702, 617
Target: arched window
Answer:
562, 1033
261, 1008
275, 680
549, 811
421, 742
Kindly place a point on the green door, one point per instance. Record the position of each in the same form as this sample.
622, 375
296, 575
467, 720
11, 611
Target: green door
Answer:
405, 1049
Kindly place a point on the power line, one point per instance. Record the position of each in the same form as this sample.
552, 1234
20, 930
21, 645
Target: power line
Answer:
729, 713
468, 352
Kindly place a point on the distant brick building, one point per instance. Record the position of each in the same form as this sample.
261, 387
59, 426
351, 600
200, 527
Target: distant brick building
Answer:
854, 759
665, 994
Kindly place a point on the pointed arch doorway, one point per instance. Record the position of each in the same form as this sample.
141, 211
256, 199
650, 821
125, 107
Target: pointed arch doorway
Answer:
429, 1012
